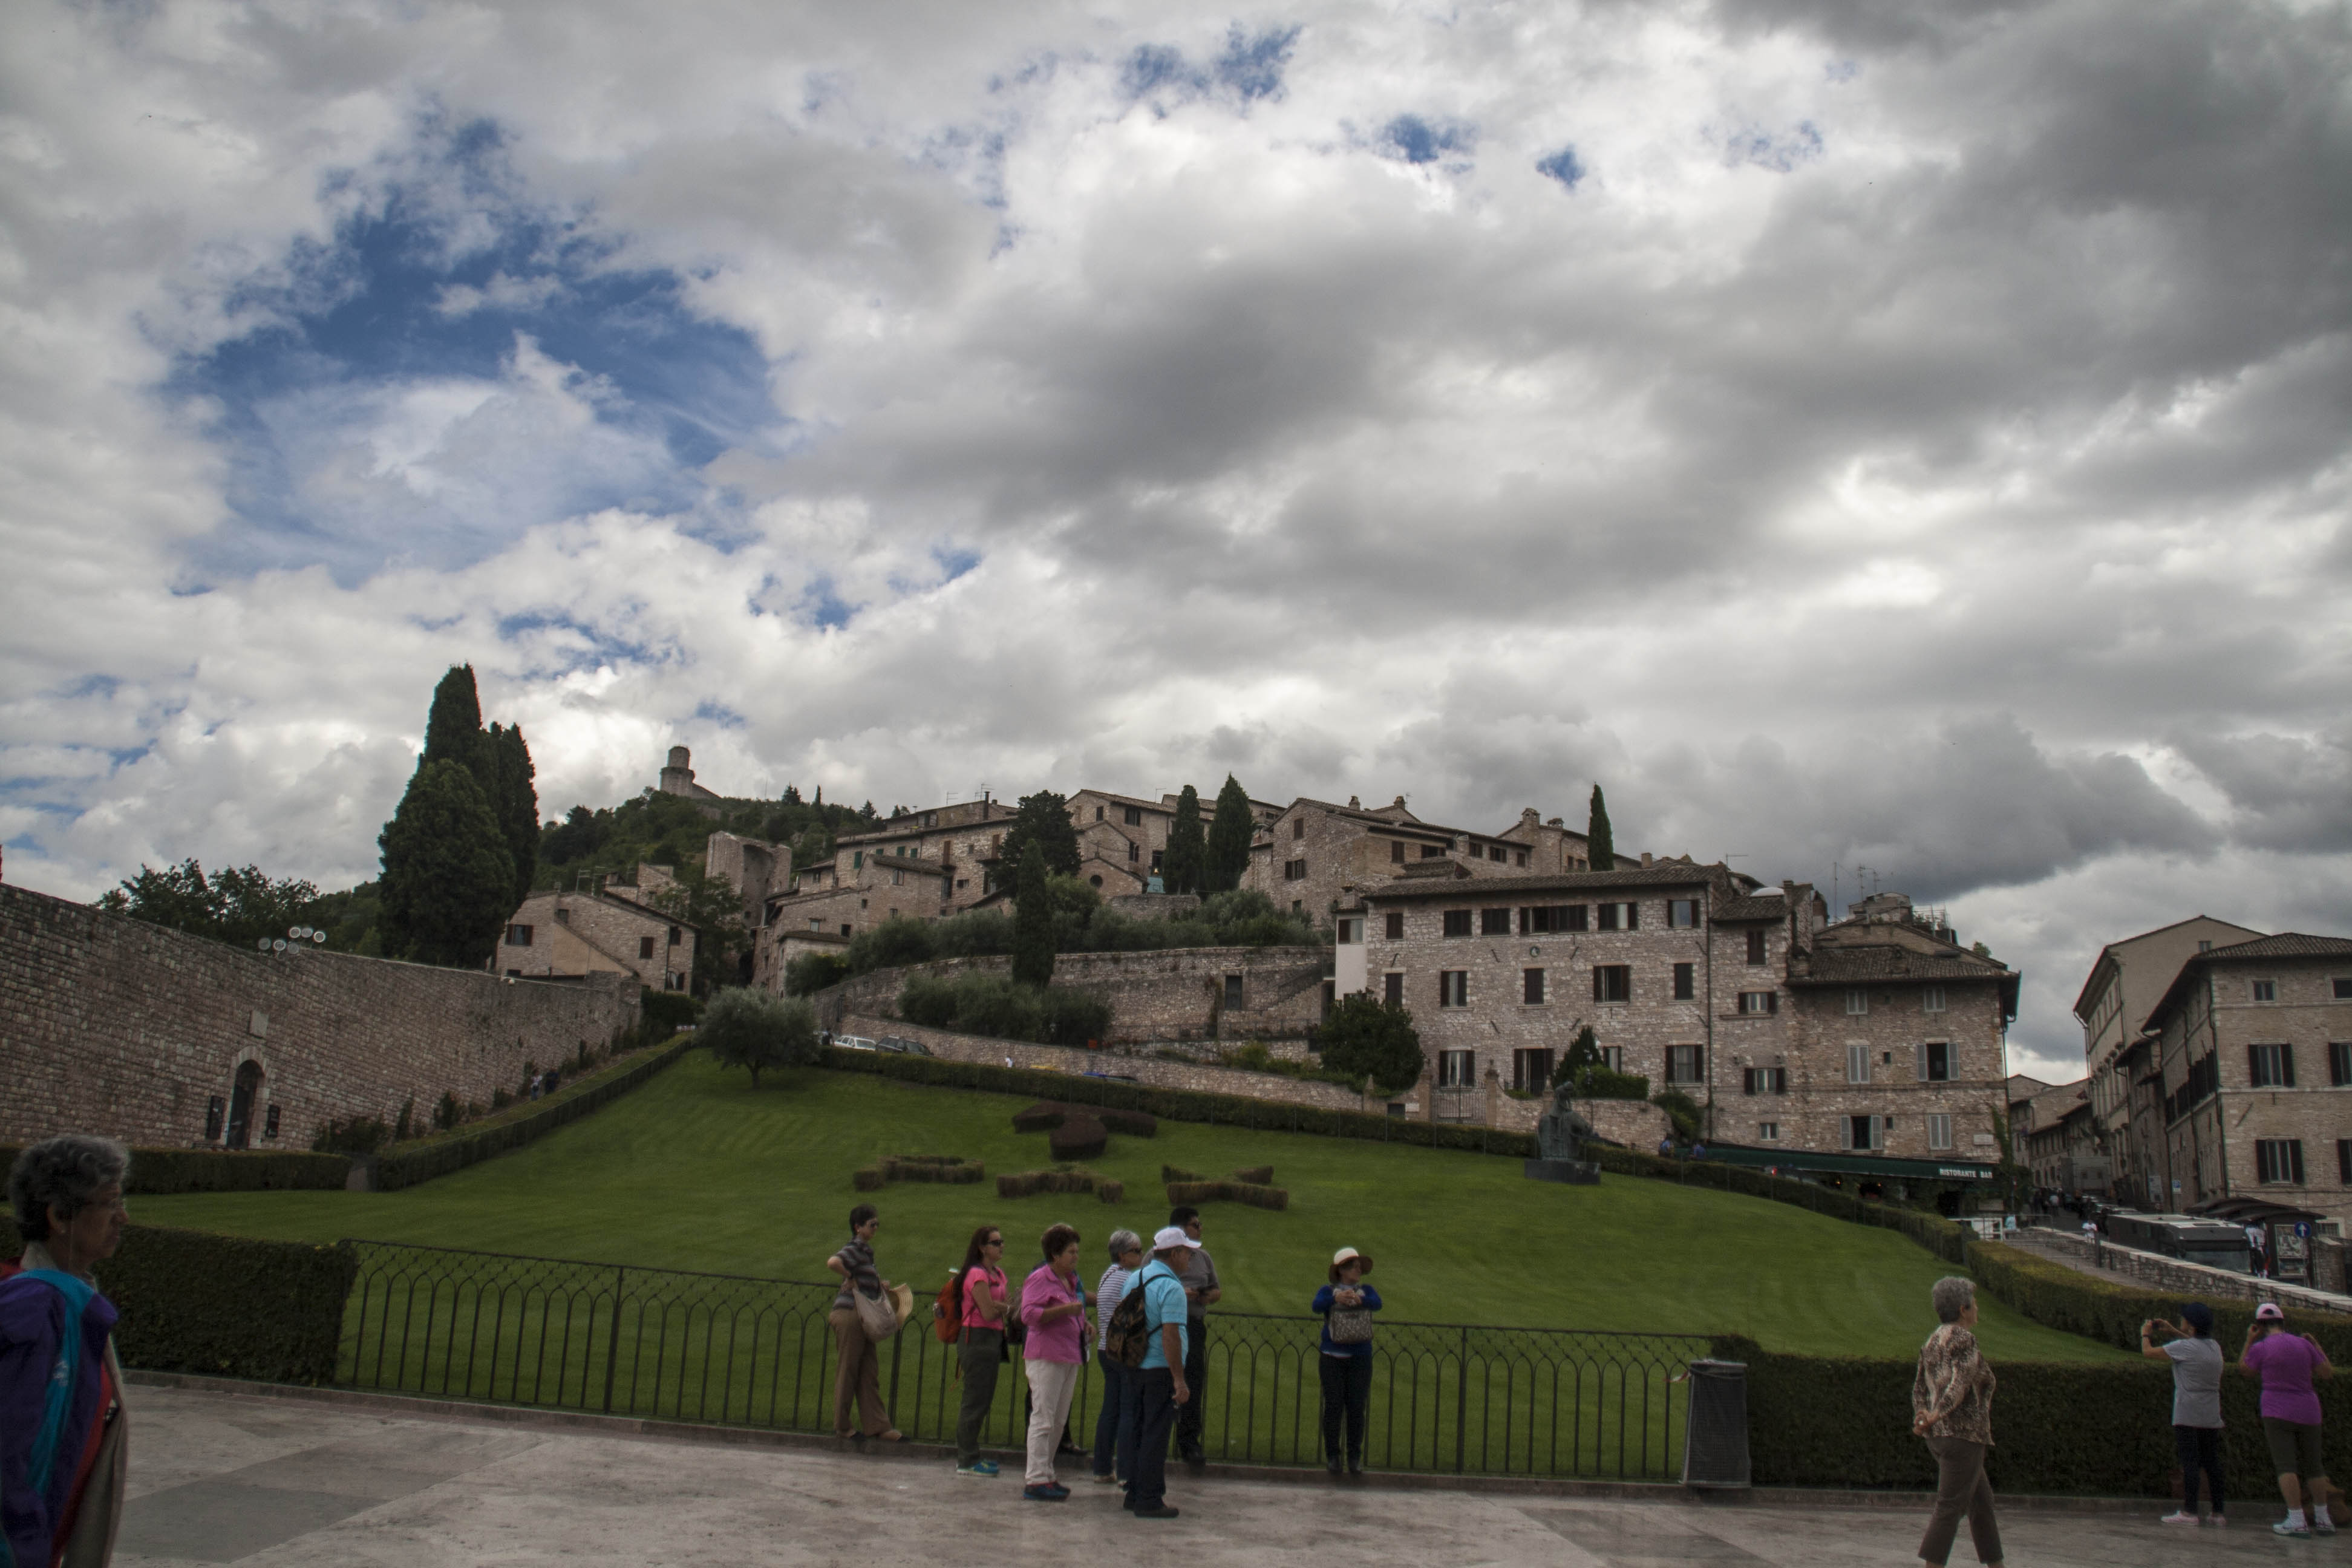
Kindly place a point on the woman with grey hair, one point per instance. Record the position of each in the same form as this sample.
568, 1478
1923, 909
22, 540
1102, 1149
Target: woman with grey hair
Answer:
63, 1435
1951, 1407
1126, 1259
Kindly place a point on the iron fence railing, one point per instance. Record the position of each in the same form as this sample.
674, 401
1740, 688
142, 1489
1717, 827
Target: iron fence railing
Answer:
719, 1348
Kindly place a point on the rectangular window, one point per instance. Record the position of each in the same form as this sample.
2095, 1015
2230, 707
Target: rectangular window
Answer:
1681, 914
898, 879
1685, 981
1621, 917
2270, 1067
1457, 1069
1756, 945
1433, 851
1613, 982
1156, 856
1395, 926
1683, 1064
1457, 922
1931, 999
1233, 990
1857, 1001
1135, 851
1531, 986
1352, 931
645, 947
518, 936
1098, 813
2279, 1160
1614, 1058
1550, 919
1571, 917
1520, 859
1493, 922
856, 858
1766, 1081
1768, 1132
2340, 1062
2344, 1162
1396, 852
1135, 816
1531, 1069
1857, 1064
2344, 990
2265, 990
1293, 870
1865, 1131
1298, 827
562, 917
1393, 988
1453, 988
1935, 1064
1940, 1131
1757, 1004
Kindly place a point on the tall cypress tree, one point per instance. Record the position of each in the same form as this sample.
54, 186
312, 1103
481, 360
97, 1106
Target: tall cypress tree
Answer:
1599, 846
453, 731
515, 801
1033, 922
1044, 820
1180, 867
1230, 832
448, 878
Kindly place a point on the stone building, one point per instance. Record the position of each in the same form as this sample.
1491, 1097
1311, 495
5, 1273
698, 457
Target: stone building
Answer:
957, 844
2127, 1094
755, 868
1878, 1034
1314, 857
559, 935
2255, 1044
678, 779
2055, 1137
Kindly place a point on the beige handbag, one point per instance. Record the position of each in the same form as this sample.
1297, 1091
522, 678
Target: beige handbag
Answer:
879, 1315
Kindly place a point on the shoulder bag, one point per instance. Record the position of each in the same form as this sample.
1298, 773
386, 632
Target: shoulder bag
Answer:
1349, 1325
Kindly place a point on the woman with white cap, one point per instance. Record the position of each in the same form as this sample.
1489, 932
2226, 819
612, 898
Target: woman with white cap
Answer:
1346, 1305
2287, 1364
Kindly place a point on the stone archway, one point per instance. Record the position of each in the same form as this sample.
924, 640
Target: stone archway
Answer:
244, 1103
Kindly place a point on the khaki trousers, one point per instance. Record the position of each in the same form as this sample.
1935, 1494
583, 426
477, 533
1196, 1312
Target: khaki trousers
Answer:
1960, 1488
857, 1376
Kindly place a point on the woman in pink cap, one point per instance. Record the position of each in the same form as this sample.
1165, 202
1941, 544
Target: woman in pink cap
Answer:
2287, 1363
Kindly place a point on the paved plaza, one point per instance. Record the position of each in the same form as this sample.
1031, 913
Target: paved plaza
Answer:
274, 1482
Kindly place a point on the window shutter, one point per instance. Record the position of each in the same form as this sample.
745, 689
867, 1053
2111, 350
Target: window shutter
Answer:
2286, 1077
1921, 1069
2255, 1066
2295, 1156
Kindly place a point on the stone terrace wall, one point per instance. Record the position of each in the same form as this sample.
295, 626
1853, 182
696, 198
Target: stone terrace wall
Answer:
115, 1026
1169, 994
2161, 1273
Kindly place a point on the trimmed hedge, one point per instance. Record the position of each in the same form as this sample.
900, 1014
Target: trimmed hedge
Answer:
2058, 1297
228, 1306
1256, 1175
1179, 1173
1079, 1137
1027, 1183
1250, 1192
1048, 1114
2066, 1426
1948, 1239
949, 1168
158, 1172
1134, 1123
406, 1165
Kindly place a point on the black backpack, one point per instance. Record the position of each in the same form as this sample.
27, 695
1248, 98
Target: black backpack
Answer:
1127, 1338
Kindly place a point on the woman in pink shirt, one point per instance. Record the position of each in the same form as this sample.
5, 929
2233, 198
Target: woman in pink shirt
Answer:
1053, 1306
2287, 1364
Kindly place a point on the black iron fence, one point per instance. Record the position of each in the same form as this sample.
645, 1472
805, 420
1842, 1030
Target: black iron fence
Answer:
761, 1352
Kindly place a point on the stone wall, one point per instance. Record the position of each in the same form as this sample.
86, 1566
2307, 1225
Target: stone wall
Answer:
1170, 993
130, 1030
2162, 1273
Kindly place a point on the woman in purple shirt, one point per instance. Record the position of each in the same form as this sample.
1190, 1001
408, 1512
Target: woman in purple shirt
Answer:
2287, 1363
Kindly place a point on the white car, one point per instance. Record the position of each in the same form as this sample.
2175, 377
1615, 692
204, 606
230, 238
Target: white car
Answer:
854, 1043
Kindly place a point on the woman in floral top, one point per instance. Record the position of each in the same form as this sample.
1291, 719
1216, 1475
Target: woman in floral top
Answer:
1951, 1407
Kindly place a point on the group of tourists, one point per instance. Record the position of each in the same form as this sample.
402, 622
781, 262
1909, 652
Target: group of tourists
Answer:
1951, 1405
1144, 1323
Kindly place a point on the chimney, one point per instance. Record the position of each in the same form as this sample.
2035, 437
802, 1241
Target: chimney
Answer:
1355, 804
1645, 858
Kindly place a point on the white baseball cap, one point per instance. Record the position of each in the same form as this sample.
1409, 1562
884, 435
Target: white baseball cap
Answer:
1169, 1236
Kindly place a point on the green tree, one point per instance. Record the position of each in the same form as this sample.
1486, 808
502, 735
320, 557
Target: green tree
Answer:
745, 1027
1583, 1055
813, 971
715, 909
1033, 920
1180, 867
452, 729
1600, 847
1368, 1039
1682, 1110
515, 799
1043, 820
233, 906
1227, 853
448, 879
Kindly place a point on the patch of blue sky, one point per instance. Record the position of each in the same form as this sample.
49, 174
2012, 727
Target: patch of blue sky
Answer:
954, 562
586, 645
1250, 67
719, 713
1417, 140
1779, 152
373, 415
825, 608
1563, 165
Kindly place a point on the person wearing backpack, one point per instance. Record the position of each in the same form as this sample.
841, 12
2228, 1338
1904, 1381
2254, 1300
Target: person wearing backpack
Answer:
1126, 1260
1346, 1305
1148, 1333
979, 1290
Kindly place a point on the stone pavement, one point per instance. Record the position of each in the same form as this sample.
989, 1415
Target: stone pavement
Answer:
275, 1482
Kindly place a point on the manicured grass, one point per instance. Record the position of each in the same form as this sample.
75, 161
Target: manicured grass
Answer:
698, 1171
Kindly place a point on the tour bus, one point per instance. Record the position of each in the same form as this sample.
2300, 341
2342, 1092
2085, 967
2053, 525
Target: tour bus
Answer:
2215, 1243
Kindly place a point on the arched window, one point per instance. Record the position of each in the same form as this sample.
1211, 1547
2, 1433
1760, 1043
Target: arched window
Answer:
241, 1104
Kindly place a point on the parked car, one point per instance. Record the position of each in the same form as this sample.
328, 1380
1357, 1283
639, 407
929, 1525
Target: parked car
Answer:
903, 1047
854, 1043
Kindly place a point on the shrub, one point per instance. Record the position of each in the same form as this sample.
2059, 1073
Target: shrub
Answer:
158, 1172
1134, 1123
667, 1012
1071, 1179
1177, 1173
1072, 1017
1363, 1038
1079, 1137
1248, 1193
748, 1028
1681, 1110
949, 1168
352, 1135
899, 941
2060, 1298
1257, 1176
1605, 1083
1255, 1057
445, 1111
813, 971
1041, 1117
421, 1162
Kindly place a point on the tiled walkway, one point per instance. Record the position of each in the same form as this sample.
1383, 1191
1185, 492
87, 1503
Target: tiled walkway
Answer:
276, 1483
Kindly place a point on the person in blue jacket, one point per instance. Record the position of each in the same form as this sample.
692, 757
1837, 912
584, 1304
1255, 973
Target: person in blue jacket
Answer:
63, 1436
1346, 1305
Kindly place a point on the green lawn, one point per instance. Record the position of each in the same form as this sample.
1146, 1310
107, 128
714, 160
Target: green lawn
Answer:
697, 1171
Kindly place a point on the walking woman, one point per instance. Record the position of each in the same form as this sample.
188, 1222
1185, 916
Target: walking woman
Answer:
1126, 1257
63, 1433
1054, 1310
858, 1378
1952, 1405
2196, 1405
980, 1288
1346, 1305
2287, 1364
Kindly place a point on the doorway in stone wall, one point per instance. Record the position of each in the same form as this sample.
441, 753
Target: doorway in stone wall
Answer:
241, 1101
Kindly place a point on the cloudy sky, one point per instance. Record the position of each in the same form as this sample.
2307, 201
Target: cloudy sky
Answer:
1907, 436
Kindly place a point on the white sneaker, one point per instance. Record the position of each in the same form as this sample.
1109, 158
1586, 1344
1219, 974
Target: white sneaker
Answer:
2177, 1517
